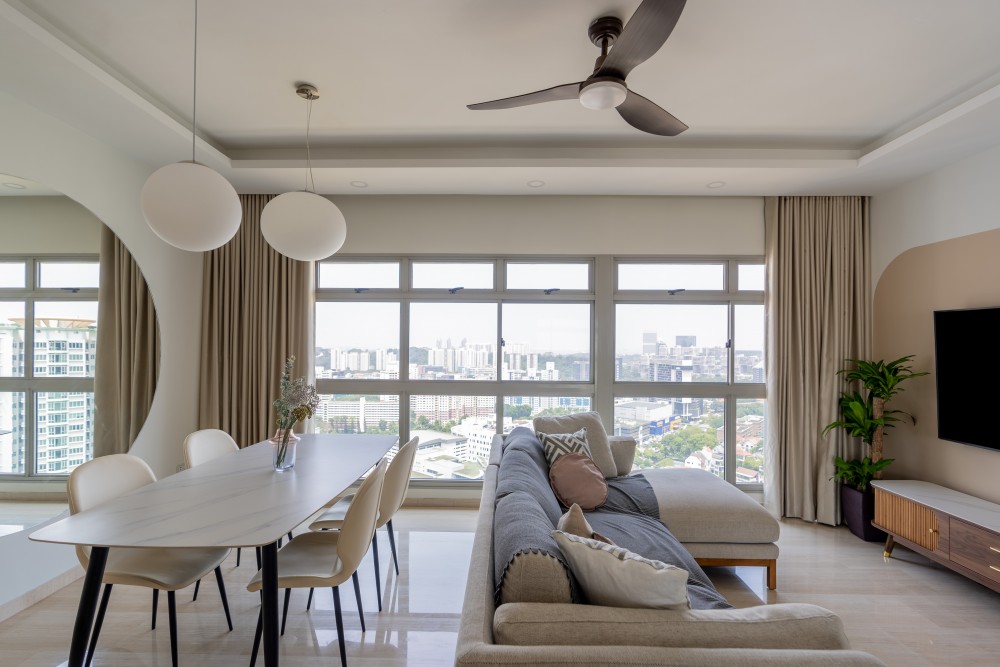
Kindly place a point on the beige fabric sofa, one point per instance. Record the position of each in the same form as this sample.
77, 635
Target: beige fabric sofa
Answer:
531, 633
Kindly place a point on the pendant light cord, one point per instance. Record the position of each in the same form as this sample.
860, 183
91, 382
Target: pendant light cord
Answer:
194, 85
310, 182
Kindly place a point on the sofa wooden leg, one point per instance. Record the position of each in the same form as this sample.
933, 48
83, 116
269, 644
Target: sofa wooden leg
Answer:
772, 574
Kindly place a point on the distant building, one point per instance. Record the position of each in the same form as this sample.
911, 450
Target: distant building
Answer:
686, 341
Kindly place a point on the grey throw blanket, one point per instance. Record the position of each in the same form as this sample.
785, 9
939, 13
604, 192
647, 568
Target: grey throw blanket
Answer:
526, 512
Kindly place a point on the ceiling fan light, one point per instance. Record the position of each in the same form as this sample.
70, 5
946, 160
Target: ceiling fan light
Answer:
603, 94
191, 206
303, 225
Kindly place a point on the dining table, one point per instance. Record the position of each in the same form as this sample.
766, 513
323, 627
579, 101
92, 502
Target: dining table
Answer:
232, 501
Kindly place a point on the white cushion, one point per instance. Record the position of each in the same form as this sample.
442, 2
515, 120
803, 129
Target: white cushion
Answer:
615, 577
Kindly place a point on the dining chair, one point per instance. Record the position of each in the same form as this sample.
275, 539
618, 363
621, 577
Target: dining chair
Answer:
397, 483
328, 558
108, 477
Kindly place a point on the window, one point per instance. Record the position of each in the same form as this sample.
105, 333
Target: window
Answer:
46, 391
457, 349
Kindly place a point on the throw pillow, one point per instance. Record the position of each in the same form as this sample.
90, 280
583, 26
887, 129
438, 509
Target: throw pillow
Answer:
615, 577
575, 523
556, 444
575, 479
597, 437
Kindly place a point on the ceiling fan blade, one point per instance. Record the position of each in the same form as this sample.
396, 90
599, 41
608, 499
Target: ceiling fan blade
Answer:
568, 91
643, 36
644, 115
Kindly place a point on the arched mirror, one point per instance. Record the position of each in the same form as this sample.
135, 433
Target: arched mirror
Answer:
79, 351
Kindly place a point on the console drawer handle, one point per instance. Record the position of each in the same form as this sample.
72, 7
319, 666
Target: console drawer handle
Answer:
994, 567
995, 549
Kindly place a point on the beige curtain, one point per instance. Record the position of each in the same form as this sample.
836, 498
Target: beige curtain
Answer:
256, 312
128, 349
818, 315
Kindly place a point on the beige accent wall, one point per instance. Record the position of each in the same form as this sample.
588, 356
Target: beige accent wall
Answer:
956, 273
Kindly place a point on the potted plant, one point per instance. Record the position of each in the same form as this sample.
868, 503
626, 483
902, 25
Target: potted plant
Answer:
864, 415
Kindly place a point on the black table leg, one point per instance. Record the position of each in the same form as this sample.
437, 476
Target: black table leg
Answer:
88, 605
269, 602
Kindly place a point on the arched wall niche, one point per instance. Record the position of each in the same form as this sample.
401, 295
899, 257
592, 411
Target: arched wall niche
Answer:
43, 149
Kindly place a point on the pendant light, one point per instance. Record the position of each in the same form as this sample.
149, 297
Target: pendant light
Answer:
304, 225
189, 205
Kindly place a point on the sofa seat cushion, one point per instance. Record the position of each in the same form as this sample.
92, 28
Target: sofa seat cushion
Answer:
779, 626
697, 506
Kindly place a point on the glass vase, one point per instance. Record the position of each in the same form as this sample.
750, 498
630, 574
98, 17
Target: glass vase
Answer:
283, 454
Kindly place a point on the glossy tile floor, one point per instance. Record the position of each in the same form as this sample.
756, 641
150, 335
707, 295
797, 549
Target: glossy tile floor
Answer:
908, 611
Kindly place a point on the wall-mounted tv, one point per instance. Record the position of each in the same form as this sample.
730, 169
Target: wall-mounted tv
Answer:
967, 370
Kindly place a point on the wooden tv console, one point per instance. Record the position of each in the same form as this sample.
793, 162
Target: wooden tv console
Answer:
959, 531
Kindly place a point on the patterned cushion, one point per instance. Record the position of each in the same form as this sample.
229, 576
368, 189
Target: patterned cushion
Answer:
559, 444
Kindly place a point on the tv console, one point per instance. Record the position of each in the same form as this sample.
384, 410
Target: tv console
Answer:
959, 531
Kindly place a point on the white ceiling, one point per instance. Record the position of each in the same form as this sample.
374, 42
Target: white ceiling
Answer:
781, 96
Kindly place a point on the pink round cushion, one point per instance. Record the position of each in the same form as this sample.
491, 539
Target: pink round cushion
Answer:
575, 478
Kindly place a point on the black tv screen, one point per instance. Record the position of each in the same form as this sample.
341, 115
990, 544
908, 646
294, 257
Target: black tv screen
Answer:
967, 362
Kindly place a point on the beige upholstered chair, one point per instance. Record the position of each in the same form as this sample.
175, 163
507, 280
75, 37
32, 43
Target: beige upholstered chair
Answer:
397, 483
329, 558
108, 477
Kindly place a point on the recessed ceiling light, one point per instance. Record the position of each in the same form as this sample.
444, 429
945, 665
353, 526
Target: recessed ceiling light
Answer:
536, 184
716, 184
358, 184
15, 186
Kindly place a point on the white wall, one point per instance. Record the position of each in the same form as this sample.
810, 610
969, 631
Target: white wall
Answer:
42, 225
960, 199
554, 225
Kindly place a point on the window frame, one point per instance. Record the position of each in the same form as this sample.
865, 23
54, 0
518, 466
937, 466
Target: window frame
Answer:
602, 295
30, 384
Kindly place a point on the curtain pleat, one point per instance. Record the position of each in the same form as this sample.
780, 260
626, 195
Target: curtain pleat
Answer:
818, 308
128, 349
255, 313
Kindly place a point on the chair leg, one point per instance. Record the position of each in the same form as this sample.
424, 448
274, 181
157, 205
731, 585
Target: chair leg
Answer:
172, 607
257, 549
378, 577
156, 598
340, 626
197, 585
392, 545
289, 536
357, 596
256, 639
99, 622
310, 600
284, 612
222, 594
238, 550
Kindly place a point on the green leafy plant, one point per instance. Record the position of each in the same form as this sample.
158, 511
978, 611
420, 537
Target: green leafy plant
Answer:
864, 416
858, 472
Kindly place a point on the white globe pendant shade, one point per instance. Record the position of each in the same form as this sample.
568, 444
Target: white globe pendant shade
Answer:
191, 206
303, 225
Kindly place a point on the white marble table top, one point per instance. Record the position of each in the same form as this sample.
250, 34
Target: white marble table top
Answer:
231, 501
959, 505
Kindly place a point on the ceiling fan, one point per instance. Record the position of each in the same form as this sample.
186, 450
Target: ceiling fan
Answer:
621, 50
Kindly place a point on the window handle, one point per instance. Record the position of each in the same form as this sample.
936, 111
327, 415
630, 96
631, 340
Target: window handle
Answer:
455, 290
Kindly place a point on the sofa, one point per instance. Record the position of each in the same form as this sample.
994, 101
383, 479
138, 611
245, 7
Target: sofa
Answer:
523, 605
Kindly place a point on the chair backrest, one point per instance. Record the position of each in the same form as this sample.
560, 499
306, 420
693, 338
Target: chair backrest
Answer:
207, 444
397, 482
359, 520
101, 480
